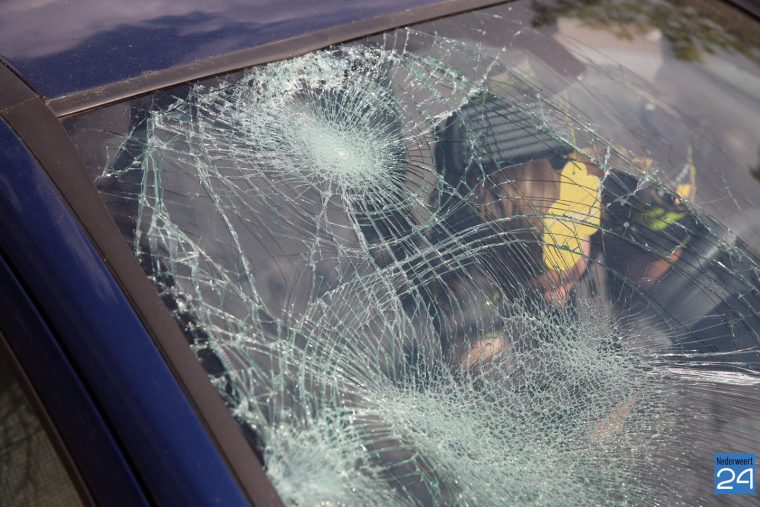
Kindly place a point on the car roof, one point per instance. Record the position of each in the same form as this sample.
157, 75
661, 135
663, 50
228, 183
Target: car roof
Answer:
61, 48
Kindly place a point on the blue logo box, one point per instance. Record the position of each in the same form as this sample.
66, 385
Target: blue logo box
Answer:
734, 474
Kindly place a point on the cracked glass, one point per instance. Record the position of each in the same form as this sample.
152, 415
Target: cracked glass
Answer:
503, 258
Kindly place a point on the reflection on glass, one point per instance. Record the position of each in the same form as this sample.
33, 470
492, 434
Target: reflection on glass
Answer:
31, 473
483, 261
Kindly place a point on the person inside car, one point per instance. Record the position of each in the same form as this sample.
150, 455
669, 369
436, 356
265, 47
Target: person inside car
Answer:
549, 213
535, 203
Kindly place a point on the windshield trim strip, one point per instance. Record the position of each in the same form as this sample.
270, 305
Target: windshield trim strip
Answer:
44, 137
147, 83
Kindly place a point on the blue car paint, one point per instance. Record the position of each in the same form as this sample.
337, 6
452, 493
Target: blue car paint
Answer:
98, 329
96, 455
63, 47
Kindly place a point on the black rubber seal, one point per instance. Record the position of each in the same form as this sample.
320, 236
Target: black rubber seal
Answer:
280, 50
46, 139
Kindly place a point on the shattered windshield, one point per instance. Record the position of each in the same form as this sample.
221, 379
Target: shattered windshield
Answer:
504, 258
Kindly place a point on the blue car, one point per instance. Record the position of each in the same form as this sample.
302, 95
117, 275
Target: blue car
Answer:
402, 252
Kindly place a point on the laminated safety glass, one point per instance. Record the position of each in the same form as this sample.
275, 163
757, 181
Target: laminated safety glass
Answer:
508, 257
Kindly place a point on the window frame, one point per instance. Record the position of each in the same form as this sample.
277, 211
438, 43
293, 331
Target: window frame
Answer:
37, 122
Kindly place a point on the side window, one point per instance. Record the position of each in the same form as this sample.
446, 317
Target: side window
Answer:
31, 473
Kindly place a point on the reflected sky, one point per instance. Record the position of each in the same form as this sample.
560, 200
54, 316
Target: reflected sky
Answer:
438, 262
63, 47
